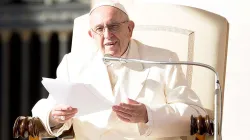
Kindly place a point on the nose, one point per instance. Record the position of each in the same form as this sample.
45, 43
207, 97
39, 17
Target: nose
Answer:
107, 33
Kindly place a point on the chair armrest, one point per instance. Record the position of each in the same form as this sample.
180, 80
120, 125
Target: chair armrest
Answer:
201, 126
26, 126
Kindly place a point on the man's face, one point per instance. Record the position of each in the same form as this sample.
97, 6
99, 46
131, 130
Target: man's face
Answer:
111, 30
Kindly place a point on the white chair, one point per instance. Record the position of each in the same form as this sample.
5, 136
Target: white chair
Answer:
194, 34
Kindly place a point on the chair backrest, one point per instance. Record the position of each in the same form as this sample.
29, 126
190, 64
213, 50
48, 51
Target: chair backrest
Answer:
194, 34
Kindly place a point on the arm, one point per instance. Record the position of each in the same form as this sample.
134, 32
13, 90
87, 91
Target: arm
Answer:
173, 118
43, 107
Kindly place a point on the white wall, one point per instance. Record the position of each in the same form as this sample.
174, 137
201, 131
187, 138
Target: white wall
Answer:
236, 119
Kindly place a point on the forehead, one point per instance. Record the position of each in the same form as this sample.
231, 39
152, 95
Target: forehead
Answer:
105, 15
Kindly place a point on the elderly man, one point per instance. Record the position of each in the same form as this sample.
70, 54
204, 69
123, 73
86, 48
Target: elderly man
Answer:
152, 101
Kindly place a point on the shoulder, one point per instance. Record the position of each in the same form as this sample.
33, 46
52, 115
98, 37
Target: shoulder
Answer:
155, 53
73, 63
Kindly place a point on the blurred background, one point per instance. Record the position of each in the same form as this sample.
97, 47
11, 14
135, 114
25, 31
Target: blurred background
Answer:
34, 36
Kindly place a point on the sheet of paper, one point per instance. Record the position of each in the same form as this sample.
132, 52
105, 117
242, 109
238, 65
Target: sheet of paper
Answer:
78, 95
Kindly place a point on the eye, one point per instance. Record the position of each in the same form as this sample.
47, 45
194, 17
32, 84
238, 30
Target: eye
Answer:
114, 27
99, 29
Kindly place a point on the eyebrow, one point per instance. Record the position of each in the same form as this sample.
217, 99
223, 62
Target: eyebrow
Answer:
112, 22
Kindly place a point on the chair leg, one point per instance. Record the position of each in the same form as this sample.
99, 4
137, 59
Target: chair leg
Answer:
200, 137
34, 138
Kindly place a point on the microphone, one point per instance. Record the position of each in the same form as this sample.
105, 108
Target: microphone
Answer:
107, 59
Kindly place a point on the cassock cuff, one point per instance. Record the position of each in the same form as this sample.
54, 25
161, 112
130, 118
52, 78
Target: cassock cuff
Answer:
57, 132
145, 129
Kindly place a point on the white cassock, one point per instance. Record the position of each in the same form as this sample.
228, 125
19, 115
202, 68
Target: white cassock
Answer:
162, 88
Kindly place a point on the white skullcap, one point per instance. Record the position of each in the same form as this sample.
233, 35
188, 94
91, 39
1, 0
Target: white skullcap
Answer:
109, 3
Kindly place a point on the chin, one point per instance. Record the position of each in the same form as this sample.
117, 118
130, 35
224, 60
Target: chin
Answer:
113, 53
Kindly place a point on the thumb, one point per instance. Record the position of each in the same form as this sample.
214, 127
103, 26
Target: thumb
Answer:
131, 101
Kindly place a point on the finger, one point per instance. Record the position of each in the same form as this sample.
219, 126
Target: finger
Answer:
58, 113
131, 101
123, 119
58, 119
63, 119
121, 109
63, 107
129, 106
68, 117
63, 113
124, 115
72, 111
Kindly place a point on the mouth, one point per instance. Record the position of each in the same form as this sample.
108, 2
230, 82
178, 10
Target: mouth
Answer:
110, 43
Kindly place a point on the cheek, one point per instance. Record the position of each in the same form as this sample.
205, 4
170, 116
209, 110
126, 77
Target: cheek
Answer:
123, 39
99, 42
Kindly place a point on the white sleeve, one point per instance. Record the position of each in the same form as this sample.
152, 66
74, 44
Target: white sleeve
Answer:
172, 119
43, 107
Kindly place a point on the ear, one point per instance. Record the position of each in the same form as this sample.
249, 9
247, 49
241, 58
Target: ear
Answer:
90, 34
131, 26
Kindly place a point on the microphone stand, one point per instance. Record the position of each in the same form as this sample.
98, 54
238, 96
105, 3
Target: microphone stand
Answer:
108, 58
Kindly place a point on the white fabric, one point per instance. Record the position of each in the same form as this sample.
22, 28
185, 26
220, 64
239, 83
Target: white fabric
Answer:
192, 33
114, 71
112, 3
153, 85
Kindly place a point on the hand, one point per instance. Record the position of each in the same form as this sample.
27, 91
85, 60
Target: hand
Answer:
133, 112
61, 113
